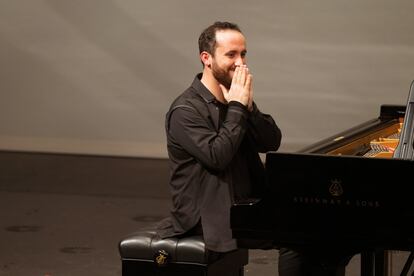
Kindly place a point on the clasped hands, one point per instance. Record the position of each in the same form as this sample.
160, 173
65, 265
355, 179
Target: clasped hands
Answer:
241, 87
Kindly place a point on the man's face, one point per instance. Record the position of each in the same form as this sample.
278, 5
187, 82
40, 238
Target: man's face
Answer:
230, 52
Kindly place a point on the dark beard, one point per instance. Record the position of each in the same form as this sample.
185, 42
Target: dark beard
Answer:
222, 76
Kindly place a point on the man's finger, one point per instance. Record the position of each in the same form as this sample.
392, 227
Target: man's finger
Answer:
243, 75
236, 75
241, 79
248, 83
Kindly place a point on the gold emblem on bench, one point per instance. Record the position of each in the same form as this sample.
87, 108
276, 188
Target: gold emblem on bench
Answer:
161, 258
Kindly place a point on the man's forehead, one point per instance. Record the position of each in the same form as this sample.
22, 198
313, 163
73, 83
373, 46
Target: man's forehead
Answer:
230, 38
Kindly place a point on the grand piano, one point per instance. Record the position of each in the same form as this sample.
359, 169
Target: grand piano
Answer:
349, 191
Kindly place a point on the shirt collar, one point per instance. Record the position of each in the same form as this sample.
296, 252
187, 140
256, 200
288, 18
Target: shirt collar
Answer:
202, 90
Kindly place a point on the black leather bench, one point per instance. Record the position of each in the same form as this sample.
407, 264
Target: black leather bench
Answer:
143, 253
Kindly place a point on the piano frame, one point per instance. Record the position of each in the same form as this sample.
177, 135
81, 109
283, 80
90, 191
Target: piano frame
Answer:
354, 140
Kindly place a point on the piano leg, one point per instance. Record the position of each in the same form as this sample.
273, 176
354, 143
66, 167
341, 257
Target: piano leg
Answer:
375, 263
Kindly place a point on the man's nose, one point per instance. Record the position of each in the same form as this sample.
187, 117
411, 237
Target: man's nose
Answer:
240, 61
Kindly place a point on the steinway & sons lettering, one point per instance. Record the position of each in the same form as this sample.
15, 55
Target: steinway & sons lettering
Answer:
336, 202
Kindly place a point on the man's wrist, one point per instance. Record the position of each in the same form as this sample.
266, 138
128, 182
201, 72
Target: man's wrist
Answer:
237, 103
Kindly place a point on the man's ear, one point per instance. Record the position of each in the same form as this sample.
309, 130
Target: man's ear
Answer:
205, 59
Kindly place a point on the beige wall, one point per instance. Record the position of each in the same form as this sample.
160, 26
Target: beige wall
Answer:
97, 76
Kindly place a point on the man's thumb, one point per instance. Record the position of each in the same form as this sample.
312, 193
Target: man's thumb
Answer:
224, 89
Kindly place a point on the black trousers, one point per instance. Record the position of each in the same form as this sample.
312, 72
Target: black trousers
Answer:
312, 262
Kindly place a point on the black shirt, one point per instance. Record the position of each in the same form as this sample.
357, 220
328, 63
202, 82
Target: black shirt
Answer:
213, 151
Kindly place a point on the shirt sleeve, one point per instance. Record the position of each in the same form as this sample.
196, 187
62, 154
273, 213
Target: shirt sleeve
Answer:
263, 131
194, 133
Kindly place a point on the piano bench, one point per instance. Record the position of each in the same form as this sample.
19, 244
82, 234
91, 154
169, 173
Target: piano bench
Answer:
144, 253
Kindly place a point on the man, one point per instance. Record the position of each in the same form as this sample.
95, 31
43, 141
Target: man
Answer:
214, 134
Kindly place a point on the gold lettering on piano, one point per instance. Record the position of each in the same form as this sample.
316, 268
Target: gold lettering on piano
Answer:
327, 202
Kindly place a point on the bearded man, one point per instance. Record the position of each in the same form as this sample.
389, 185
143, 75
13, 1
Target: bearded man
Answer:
214, 133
